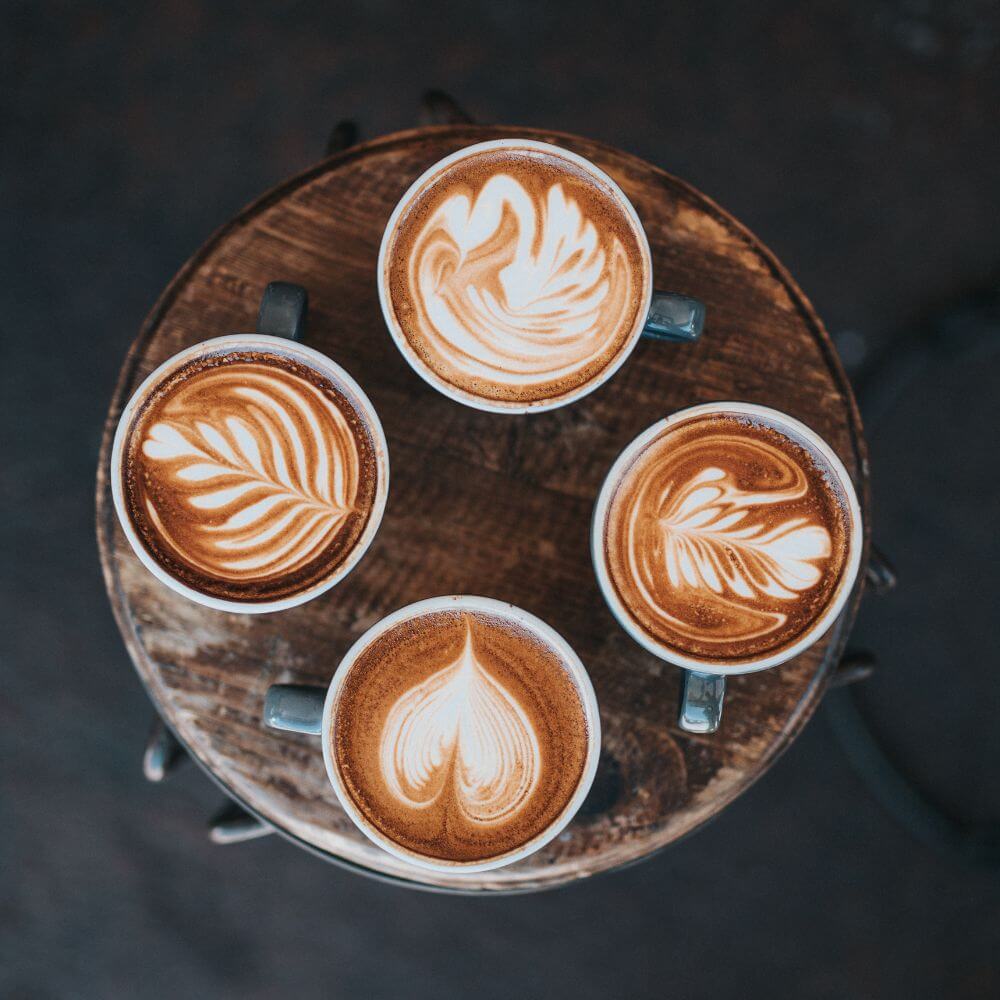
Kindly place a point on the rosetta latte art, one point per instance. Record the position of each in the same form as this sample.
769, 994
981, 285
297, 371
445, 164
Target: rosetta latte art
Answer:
461, 726
724, 543
254, 474
711, 542
516, 284
708, 542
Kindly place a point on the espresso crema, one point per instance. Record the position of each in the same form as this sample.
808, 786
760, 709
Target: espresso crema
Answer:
249, 475
459, 736
726, 539
516, 275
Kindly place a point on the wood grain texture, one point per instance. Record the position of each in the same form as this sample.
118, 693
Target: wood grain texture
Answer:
481, 503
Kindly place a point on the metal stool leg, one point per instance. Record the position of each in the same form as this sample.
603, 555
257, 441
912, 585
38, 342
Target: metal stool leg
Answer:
162, 754
976, 844
232, 824
439, 108
880, 574
854, 666
343, 135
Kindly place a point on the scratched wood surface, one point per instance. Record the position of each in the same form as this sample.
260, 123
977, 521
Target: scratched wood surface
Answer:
481, 503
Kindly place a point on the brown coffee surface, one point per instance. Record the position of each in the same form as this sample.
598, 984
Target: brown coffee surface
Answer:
726, 539
249, 475
460, 736
516, 276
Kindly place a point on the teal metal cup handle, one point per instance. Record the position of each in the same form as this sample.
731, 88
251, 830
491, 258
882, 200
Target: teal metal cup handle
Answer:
702, 696
295, 708
674, 317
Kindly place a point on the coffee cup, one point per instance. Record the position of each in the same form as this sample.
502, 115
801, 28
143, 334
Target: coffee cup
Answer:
250, 472
726, 539
460, 733
515, 277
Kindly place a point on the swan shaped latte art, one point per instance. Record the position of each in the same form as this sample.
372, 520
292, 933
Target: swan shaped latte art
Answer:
724, 541
253, 472
515, 288
460, 733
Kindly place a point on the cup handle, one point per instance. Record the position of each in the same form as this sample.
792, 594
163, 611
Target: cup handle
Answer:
701, 701
295, 708
674, 317
283, 311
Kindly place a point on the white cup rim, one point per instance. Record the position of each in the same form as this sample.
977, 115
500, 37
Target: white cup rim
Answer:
314, 359
468, 398
500, 609
782, 421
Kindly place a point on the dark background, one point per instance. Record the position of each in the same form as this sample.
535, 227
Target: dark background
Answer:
860, 139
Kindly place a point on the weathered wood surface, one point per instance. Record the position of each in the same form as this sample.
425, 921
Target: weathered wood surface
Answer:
481, 503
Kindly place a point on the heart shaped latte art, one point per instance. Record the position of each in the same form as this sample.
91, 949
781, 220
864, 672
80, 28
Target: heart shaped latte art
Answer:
461, 730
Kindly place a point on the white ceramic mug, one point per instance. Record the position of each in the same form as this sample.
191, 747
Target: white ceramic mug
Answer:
661, 316
312, 710
704, 683
280, 327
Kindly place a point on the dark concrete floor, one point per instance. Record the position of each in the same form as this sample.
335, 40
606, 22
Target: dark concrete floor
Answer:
859, 139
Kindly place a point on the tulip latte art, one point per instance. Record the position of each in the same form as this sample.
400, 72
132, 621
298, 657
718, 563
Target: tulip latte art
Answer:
459, 735
726, 539
516, 276
249, 475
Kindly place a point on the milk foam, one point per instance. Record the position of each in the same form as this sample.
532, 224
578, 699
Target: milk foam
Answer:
724, 540
256, 480
516, 283
462, 726
714, 548
460, 735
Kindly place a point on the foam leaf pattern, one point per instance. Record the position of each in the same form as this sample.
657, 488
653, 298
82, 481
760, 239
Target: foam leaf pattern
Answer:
712, 541
266, 474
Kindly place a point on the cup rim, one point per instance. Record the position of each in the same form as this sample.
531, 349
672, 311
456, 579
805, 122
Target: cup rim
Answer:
501, 609
315, 359
781, 421
468, 398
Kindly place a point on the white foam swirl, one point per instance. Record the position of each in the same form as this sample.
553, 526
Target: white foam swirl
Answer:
460, 730
516, 290
708, 542
255, 480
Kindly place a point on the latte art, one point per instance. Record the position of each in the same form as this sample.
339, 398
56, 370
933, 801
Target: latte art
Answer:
726, 539
708, 543
249, 475
272, 457
523, 307
461, 726
459, 735
516, 277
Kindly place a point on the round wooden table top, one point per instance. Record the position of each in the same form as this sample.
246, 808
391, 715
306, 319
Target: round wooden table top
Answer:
484, 504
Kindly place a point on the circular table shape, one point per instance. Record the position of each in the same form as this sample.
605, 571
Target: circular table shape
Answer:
481, 503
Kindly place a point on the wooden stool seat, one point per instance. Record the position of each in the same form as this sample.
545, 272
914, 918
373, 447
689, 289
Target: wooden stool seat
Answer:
483, 504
